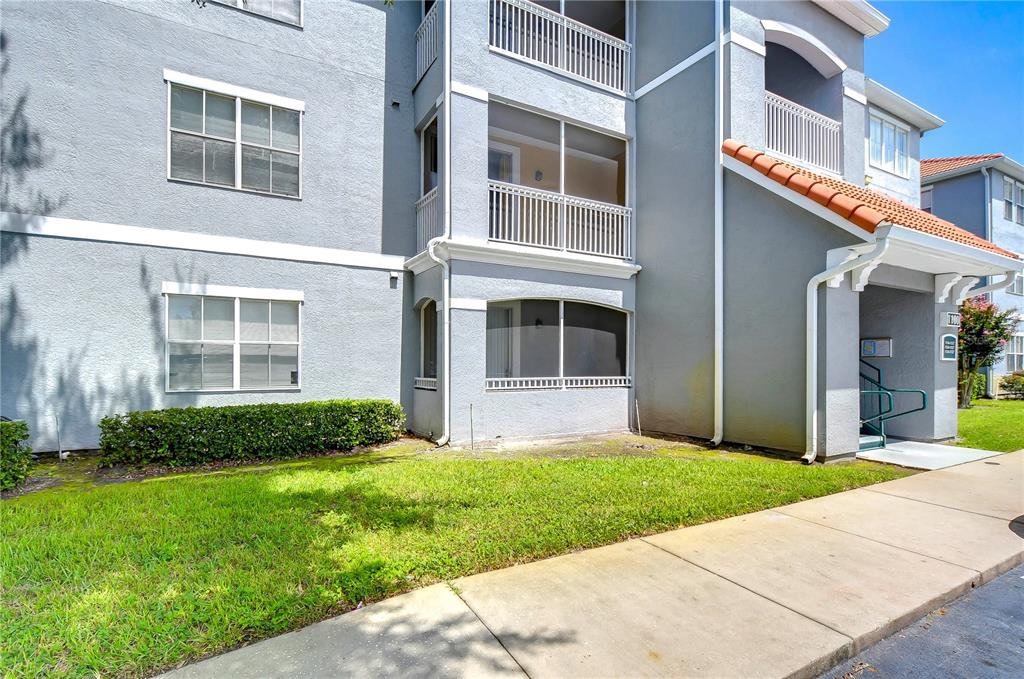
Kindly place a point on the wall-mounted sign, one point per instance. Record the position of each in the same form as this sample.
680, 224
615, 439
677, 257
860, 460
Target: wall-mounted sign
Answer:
951, 319
879, 347
947, 347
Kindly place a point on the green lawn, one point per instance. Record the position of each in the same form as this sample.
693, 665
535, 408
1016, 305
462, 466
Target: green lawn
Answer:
129, 578
993, 425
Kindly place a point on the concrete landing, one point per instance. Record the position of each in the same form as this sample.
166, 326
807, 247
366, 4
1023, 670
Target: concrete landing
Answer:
928, 456
787, 592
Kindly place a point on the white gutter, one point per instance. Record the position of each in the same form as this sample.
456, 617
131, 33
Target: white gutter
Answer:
446, 197
719, 396
989, 390
811, 368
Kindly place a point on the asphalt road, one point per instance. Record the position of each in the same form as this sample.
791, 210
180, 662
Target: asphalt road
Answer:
979, 636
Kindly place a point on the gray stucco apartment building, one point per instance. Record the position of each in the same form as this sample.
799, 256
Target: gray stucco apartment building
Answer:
517, 219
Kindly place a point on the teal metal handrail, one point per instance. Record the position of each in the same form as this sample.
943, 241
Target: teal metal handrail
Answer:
876, 423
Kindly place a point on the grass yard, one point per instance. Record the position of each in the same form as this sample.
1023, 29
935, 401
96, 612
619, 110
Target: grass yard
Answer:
992, 425
133, 577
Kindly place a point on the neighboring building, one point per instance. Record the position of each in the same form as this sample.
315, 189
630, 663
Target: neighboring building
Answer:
539, 225
985, 195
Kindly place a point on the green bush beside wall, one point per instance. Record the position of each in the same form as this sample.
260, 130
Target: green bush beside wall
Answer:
1013, 384
980, 387
15, 456
186, 436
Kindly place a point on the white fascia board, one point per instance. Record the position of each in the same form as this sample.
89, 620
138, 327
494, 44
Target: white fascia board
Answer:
798, 199
857, 14
277, 294
898, 105
59, 227
420, 263
230, 90
972, 260
536, 258
469, 304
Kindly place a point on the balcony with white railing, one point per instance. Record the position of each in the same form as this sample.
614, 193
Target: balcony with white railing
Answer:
428, 40
804, 136
539, 35
528, 216
428, 219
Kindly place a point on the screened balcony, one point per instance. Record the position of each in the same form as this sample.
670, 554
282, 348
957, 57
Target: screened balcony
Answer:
555, 185
583, 39
428, 207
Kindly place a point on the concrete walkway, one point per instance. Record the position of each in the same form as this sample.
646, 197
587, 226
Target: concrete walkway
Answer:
787, 592
917, 455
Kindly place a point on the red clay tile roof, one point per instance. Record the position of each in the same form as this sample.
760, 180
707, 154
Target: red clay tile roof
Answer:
933, 166
864, 207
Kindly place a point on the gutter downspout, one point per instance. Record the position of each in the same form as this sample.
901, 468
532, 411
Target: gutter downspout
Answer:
989, 372
811, 352
719, 275
446, 197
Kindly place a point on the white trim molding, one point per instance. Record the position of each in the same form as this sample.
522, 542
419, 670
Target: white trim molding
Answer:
469, 304
676, 70
857, 14
858, 97
814, 51
60, 227
219, 87
746, 43
275, 294
535, 258
465, 90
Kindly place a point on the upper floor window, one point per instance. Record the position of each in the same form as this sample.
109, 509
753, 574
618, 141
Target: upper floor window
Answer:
926, 199
233, 137
1017, 287
889, 145
1013, 193
288, 11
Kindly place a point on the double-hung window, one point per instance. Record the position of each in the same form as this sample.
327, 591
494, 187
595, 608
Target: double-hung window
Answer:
233, 137
1007, 199
1015, 354
1020, 203
1017, 287
889, 145
227, 343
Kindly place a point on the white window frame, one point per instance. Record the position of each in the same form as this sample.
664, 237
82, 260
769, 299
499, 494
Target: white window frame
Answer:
1017, 287
1020, 202
267, 295
1014, 360
930, 192
423, 337
239, 94
897, 127
1007, 198
240, 5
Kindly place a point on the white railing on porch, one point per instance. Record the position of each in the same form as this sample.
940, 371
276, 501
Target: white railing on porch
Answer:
537, 34
428, 40
424, 383
526, 216
803, 135
512, 383
428, 219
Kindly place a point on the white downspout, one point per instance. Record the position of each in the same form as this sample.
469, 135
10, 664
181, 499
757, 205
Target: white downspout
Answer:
989, 373
719, 396
446, 197
811, 368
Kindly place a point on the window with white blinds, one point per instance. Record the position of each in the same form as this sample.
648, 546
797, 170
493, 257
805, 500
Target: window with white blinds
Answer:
288, 11
1015, 354
231, 343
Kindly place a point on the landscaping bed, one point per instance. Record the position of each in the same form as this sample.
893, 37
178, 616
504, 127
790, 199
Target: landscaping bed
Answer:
134, 577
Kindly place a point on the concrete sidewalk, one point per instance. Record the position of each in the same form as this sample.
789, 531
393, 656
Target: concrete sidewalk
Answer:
778, 593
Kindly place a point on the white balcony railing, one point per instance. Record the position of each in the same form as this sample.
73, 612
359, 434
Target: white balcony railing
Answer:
428, 40
537, 34
429, 383
513, 383
428, 219
526, 216
803, 135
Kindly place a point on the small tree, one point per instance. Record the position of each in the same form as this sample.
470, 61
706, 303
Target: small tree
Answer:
984, 333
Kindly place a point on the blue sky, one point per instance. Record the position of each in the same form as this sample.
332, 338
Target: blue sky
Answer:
964, 62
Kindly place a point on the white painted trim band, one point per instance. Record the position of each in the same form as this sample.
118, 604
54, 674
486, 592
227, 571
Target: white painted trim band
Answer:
173, 288
858, 97
746, 43
232, 90
677, 69
59, 227
469, 91
469, 304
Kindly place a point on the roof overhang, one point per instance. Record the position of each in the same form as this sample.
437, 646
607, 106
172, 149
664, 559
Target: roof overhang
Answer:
508, 254
1003, 164
912, 249
815, 52
857, 14
882, 97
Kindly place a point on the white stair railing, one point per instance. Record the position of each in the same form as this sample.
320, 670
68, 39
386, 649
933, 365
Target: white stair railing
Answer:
428, 40
527, 216
542, 36
803, 135
428, 219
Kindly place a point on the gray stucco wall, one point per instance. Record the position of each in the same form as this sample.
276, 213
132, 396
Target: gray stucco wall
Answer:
961, 200
772, 248
83, 333
1010, 235
668, 32
912, 320
787, 74
89, 76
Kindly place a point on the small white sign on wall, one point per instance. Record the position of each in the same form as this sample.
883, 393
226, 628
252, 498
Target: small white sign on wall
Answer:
878, 347
951, 319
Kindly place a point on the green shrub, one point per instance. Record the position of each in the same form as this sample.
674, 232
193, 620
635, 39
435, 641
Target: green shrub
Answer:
980, 386
186, 436
15, 456
1013, 384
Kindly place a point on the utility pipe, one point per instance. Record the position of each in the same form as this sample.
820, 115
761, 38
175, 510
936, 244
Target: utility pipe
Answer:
446, 197
811, 372
719, 256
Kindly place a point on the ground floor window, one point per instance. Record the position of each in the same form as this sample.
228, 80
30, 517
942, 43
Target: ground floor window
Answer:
552, 343
1015, 354
231, 343
428, 340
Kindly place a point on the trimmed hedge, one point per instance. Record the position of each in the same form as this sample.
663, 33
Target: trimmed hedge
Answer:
186, 436
15, 456
1013, 384
980, 387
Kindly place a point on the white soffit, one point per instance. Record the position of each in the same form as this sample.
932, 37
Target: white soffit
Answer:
857, 14
882, 97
